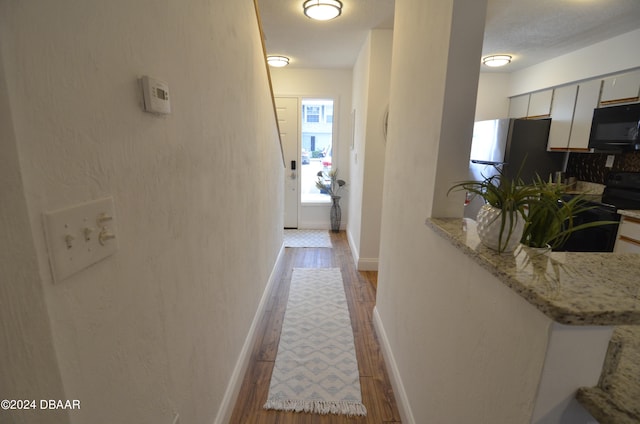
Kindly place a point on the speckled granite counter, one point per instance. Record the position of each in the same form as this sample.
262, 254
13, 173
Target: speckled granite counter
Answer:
628, 212
570, 288
616, 398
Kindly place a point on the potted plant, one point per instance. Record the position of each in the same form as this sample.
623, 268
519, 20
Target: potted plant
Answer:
502, 219
535, 215
329, 183
551, 219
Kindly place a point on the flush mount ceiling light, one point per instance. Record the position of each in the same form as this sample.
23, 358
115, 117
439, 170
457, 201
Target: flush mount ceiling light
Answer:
277, 61
496, 60
322, 10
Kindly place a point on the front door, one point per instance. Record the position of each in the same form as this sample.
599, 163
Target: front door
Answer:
288, 118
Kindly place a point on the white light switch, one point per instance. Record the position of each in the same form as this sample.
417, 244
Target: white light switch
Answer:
80, 236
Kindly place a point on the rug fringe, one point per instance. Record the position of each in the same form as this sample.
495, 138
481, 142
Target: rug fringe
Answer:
318, 407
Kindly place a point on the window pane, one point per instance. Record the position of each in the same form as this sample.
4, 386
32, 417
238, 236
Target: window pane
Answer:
313, 114
317, 137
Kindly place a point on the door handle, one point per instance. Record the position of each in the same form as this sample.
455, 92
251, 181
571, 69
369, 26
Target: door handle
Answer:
293, 165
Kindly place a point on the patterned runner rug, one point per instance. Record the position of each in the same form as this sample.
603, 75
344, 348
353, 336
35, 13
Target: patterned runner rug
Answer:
307, 238
316, 369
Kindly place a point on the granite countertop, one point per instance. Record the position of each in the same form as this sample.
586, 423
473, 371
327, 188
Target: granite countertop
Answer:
630, 213
569, 287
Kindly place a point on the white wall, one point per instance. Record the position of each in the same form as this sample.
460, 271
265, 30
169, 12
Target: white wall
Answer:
157, 328
329, 83
371, 101
28, 366
448, 374
361, 71
610, 56
467, 347
493, 96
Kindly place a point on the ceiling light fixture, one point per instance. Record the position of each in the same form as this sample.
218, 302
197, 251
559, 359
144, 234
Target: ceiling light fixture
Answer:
496, 60
277, 61
322, 10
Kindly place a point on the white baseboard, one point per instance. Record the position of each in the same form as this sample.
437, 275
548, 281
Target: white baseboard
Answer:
367, 264
352, 247
363, 264
237, 376
394, 374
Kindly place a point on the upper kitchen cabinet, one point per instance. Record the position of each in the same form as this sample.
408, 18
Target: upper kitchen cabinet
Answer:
531, 106
562, 108
518, 106
586, 102
623, 88
540, 104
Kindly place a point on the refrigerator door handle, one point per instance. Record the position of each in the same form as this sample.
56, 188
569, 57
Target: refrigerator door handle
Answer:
486, 162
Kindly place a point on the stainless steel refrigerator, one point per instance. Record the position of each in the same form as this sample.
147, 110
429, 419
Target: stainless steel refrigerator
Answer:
512, 145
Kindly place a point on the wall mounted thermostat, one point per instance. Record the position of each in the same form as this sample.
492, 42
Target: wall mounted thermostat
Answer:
156, 95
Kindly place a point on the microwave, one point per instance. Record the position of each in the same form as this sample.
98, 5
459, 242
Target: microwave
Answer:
615, 128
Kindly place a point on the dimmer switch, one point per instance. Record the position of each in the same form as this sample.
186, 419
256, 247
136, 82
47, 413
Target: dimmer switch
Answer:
79, 236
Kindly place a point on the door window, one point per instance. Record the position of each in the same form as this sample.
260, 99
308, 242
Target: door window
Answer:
316, 147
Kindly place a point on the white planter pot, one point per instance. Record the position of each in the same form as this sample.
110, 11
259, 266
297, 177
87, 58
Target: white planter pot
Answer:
489, 222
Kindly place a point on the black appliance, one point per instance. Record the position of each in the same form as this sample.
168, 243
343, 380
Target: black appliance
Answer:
615, 128
622, 191
512, 146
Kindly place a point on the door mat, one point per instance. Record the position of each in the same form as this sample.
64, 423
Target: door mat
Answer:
307, 238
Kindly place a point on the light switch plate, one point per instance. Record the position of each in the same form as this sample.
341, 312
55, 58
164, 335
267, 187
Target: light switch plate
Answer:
80, 235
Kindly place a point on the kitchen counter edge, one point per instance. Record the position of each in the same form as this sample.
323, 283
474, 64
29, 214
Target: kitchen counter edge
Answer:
591, 291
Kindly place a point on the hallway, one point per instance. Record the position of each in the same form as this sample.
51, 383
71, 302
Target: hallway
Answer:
377, 394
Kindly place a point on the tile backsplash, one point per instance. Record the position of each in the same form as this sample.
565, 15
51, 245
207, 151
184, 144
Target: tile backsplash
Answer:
591, 166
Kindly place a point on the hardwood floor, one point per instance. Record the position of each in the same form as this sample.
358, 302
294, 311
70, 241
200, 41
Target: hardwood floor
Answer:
377, 394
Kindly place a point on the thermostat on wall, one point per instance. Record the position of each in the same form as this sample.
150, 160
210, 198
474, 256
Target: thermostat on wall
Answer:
156, 95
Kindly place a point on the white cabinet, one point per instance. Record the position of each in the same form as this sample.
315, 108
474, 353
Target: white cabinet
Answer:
623, 88
564, 101
532, 106
518, 106
628, 240
540, 104
571, 107
571, 116
624, 246
586, 102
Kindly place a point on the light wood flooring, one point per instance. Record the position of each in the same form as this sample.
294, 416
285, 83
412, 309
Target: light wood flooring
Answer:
377, 394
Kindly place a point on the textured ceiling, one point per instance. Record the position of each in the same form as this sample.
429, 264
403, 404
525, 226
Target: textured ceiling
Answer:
534, 31
531, 30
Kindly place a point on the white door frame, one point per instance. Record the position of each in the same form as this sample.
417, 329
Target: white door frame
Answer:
310, 215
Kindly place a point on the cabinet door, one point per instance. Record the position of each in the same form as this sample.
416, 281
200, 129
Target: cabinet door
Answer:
564, 102
540, 104
587, 100
623, 88
518, 106
624, 245
628, 240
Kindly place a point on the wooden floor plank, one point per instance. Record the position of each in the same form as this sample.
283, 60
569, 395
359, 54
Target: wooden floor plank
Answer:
377, 394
